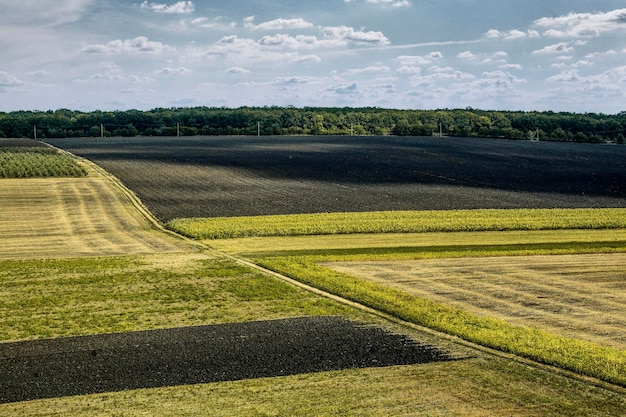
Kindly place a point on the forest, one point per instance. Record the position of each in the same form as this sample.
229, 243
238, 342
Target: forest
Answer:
552, 126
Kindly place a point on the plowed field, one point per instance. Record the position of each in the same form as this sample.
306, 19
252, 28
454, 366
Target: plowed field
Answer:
238, 176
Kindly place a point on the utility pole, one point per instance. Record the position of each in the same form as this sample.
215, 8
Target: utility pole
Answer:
534, 136
258, 129
35, 132
101, 130
177, 129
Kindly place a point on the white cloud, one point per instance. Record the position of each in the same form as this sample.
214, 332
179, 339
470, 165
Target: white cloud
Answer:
557, 48
293, 80
138, 45
511, 67
111, 72
370, 69
344, 89
409, 69
391, 3
502, 76
174, 71
345, 33
292, 42
516, 34
278, 24
608, 79
306, 59
231, 39
498, 57
237, 70
468, 55
447, 77
47, 12
219, 23
8, 80
181, 7
413, 60
333, 37
511, 34
438, 69
577, 25
582, 89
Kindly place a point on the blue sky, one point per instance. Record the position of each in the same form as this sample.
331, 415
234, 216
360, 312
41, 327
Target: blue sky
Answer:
560, 55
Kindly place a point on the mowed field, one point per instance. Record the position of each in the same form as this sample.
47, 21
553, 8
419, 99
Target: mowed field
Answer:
579, 296
90, 216
244, 176
191, 287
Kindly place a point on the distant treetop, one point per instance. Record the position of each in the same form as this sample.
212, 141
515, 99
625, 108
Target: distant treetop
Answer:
469, 122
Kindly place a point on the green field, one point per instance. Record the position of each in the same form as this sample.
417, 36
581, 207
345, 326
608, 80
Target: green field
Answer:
69, 297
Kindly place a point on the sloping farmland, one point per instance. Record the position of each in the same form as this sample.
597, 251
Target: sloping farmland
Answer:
91, 216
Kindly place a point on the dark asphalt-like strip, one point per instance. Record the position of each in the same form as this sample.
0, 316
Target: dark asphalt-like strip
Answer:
149, 359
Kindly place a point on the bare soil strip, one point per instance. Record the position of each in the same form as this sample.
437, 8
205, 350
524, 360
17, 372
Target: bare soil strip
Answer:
579, 296
192, 355
58, 217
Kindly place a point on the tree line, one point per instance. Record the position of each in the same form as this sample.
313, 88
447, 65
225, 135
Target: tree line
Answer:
570, 127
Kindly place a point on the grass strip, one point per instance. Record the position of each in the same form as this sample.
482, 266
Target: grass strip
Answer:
449, 251
400, 222
586, 358
70, 297
37, 162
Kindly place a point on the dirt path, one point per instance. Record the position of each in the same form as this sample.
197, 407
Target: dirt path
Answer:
92, 216
580, 296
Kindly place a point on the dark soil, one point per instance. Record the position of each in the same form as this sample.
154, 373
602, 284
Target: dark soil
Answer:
106, 363
237, 176
20, 143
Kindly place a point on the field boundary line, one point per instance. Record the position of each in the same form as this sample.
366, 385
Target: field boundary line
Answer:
134, 200
454, 339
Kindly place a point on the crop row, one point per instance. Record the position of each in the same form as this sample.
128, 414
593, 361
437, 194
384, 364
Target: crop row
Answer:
400, 222
37, 162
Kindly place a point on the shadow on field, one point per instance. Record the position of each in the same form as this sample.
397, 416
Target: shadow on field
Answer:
230, 176
114, 362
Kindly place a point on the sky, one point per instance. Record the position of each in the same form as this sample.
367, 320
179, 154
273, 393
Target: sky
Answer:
545, 55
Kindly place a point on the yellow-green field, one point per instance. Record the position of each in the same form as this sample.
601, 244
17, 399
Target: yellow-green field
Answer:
93, 261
